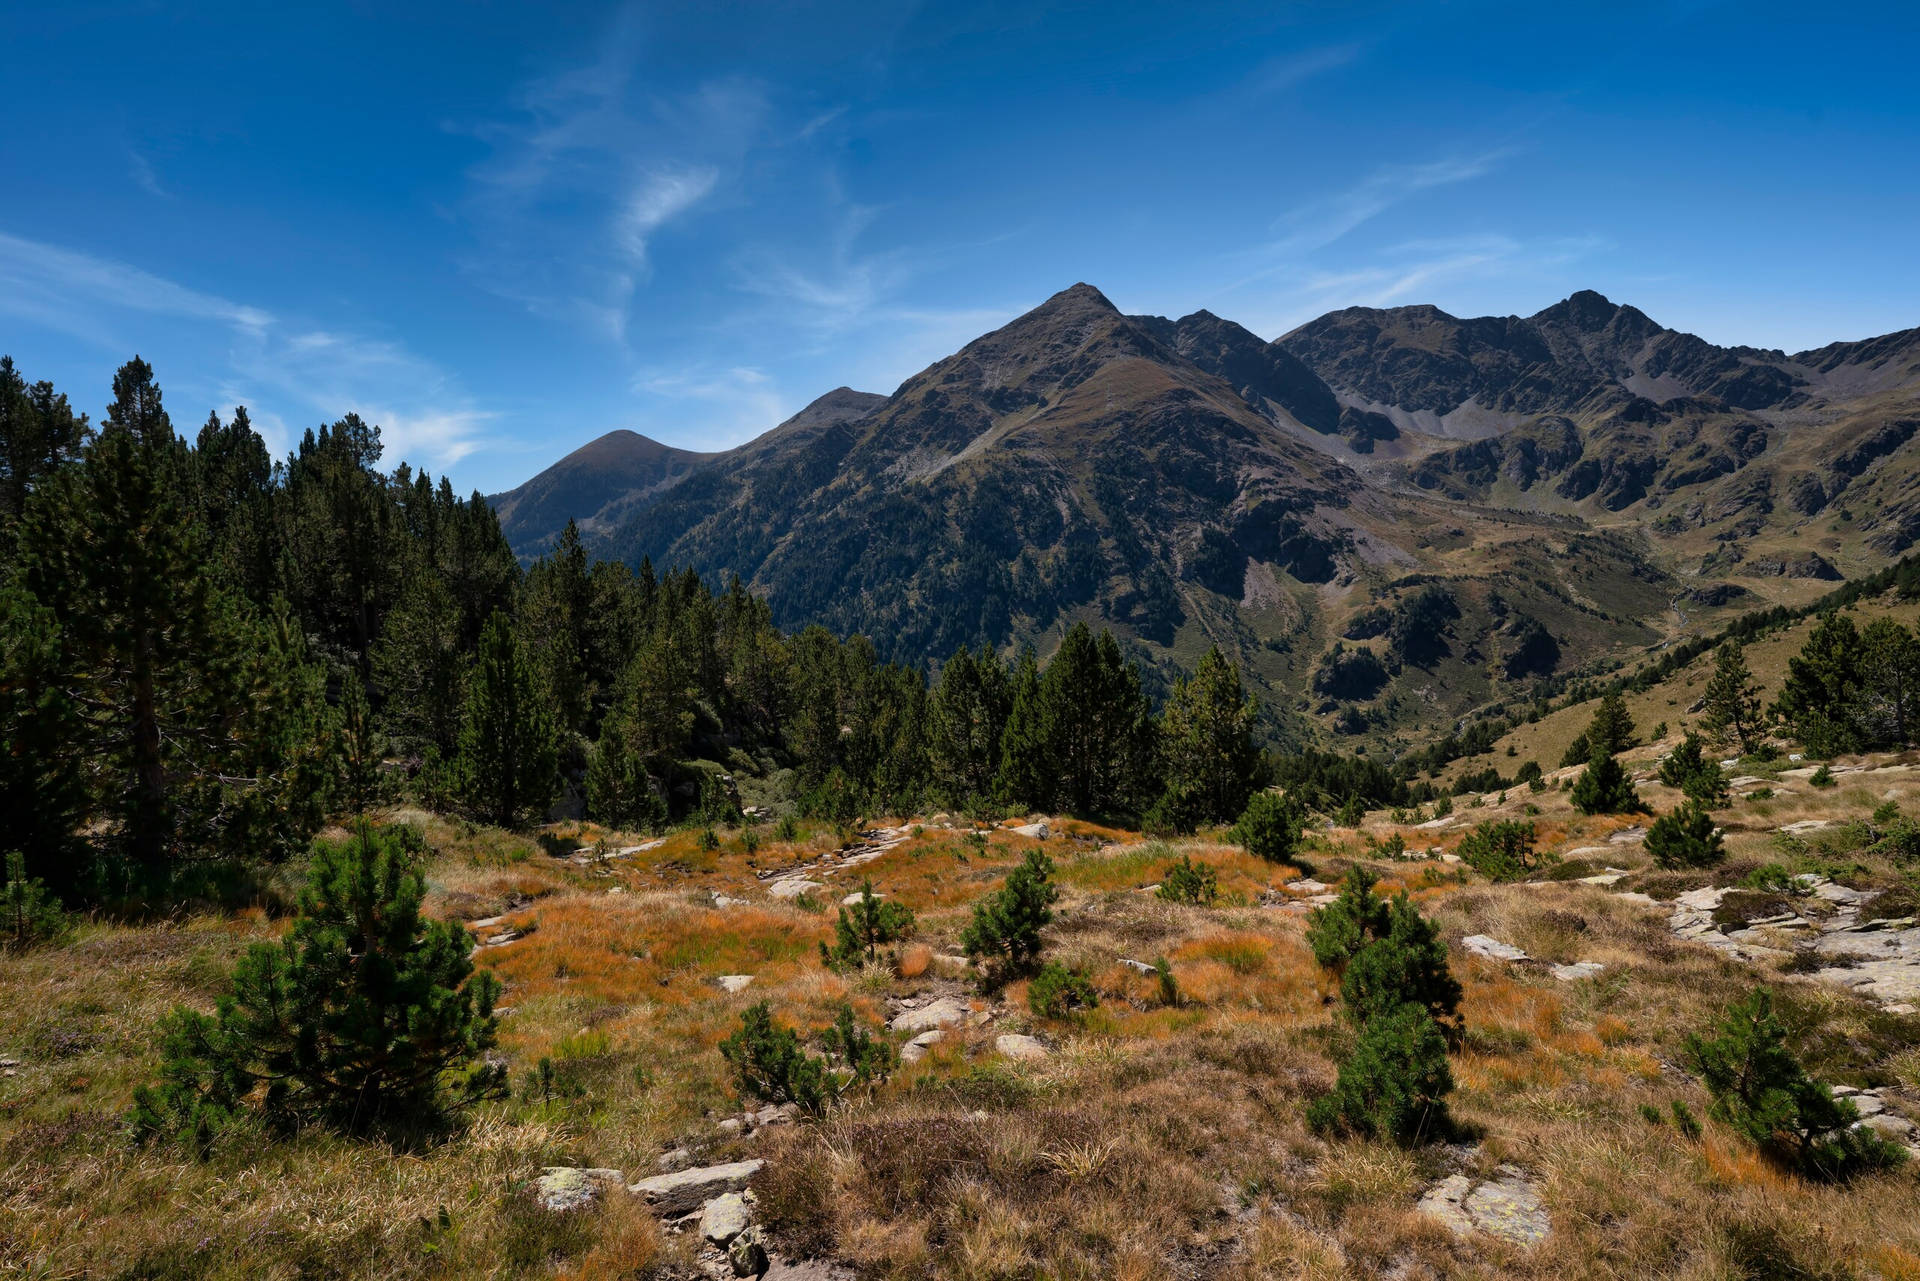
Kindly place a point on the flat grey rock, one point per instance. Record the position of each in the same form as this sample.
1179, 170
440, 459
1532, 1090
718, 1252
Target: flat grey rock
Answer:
1015, 1046
724, 1218
561, 1188
943, 1012
686, 1190
1491, 948
1506, 1206
1577, 971
734, 982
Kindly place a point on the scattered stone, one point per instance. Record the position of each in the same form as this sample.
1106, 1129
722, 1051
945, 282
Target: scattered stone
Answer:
1506, 1206
1491, 948
724, 1218
790, 887
563, 1187
730, 1127
748, 1255
673, 1159
943, 1012
1803, 826
1038, 831
810, 1270
1305, 886
1139, 967
1628, 836
1015, 1046
686, 1190
1608, 877
1577, 971
734, 982
916, 1049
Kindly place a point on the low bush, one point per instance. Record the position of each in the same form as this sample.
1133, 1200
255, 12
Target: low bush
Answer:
1501, 851
1393, 1084
1057, 991
1760, 1089
1685, 838
1006, 925
770, 1063
1269, 827
1189, 882
865, 926
29, 915
367, 1016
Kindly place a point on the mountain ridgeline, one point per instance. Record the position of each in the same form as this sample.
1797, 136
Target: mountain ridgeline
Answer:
1391, 518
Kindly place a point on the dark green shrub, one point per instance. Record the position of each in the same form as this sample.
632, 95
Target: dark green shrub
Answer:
1688, 768
1822, 777
865, 926
1057, 991
1760, 1089
709, 840
787, 829
770, 1064
1006, 925
1189, 882
1356, 917
1169, 986
29, 915
1685, 838
1500, 851
1405, 964
1652, 1115
366, 1016
1269, 827
1394, 1083
1769, 876
1684, 1120
1605, 788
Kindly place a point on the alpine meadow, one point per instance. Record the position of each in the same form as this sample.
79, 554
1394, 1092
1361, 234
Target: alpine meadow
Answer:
502, 775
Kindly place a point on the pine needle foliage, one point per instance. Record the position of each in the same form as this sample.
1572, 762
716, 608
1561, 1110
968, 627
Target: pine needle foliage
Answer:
368, 1017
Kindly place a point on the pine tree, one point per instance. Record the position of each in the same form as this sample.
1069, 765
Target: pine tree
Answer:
1823, 696
198, 725
1209, 758
367, 1016
39, 434
1611, 729
1026, 774
966, 717
43, 780
1685, 838
507, 767
865, 926
1006, 925
361, 747
1097, 723
1687, 768
1890, 671
1269, 827
1605, 788
1732, 699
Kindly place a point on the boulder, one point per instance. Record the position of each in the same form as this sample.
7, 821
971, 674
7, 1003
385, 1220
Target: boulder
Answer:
683, 1191
916, 1049
1038, 831
793, 887
747, 1256
734, 982
1015, 1046
724, 1218
563, 1187
943, 1012
1577, 971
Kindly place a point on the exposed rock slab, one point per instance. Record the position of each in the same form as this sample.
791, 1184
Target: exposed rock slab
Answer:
943, 1011
1505, 1206
1492, 948
561, 1188
683, 1191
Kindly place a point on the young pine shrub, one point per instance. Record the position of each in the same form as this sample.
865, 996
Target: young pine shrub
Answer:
865, 926
1189, 882
366, 1017
1393, 1084
1605, 788
1057, 992
1403, 1000
29, 916
1688, 768
1685, 838
1501, 851
1760, 1089
1006, 925
1169, 987
770, 1064
1269, 827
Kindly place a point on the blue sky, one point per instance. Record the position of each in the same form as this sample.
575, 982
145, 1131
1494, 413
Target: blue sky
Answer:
500, 230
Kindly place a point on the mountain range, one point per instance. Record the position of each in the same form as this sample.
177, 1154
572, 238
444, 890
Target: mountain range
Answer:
1393, 518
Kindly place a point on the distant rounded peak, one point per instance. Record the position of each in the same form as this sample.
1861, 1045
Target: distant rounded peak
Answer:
1081, 294
1583, 309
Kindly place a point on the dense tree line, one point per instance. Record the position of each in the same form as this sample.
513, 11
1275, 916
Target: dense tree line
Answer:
204, 651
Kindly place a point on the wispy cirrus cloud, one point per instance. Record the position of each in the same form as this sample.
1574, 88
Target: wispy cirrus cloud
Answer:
281, 370
1320, 223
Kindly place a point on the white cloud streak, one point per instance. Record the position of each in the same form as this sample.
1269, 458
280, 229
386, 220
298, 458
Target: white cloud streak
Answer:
279, 370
